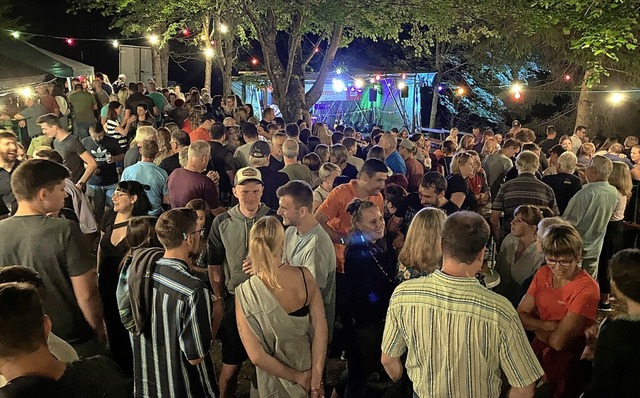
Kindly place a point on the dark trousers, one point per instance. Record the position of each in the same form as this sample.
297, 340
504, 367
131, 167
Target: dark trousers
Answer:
612, 244
363, 357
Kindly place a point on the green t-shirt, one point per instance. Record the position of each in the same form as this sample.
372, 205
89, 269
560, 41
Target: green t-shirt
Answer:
160, 102
83, 103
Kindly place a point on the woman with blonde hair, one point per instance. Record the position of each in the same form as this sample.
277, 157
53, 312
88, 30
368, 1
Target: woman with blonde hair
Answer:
490, 147
321, 130
463, 166
195, 114
280, 307
587, 150
620, 178
467, 143
327, 173
422, 251
164, 145
453, 135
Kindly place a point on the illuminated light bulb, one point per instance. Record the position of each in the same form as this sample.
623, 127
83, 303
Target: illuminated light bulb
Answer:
616, 97
208, 52
223, 28
461, 91
204, 36
338, 85
15, 34
154, 39
254, 61
372, 80
517, 95
567, 77
25, 92
359, 83
339, 70
516, 88
186, 32
378, 77
440, 88
402, 85
317, 50
115, 43
404, 76
69, 41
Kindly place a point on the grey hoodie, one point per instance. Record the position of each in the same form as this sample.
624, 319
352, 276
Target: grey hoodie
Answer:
229, 243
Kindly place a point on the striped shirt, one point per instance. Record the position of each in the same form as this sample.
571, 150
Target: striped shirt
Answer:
112, 132
460, 337
180, 330
525, 189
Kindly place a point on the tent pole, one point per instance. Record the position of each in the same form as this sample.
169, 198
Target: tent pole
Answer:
402, 115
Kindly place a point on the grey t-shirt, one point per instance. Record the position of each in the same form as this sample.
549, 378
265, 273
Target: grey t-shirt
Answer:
298, 172
31, 114
496, 166
57, 250
70, 148
315, 251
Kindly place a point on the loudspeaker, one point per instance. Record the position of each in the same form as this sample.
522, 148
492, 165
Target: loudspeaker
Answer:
404, 92
373, 95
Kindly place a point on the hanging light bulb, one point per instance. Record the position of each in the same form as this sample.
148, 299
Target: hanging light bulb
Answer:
359, 83
115, 43
154, 39
15, 34
254, 61
69, 41
208, 52
223, 28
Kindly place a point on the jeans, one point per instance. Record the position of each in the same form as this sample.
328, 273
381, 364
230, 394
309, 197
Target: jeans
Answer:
100, 196
81, 129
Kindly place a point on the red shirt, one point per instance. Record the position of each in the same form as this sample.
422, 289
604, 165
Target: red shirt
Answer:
199, 134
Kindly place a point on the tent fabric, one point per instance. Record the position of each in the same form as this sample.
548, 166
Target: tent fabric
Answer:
15, 74
44, 60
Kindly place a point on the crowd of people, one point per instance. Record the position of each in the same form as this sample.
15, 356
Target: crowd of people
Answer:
142, 225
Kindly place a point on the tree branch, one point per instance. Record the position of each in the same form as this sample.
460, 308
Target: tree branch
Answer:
315, 92
313, 52
294, 42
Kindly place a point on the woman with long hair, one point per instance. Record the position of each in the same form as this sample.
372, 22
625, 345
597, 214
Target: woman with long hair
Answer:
164, 145
202, 224
453, 135
129, 200
518, 258
63, 106
479, 187
467, 142
192, 123
370, 266
321, 130
143, 115
113, 128
281, 307
620, 178
421, 253
490, 147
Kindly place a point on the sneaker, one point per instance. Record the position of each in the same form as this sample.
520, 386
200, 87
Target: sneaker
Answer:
604, 307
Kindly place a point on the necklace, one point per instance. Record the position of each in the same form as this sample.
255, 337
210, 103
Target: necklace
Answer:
380, 266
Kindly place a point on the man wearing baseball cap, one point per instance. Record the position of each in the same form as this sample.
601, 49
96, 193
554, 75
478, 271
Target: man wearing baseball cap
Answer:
228, 248
271, 179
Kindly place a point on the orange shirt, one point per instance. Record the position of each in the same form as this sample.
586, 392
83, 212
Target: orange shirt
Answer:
335, 208
199, 134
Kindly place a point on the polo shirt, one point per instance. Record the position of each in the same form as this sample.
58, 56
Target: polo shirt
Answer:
525, 189
590, 211
564, 186
335, 209
180, 330
459, 338
185, 185
396, 163
147, 173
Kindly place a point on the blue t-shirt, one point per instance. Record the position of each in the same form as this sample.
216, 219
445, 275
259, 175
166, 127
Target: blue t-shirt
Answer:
147, 173
396, 163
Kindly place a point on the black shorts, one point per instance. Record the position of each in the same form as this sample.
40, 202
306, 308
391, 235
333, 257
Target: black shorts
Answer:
233, 352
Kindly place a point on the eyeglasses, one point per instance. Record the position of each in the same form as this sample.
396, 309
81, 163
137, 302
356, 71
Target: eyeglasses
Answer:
562, 263
201, 232
118, 194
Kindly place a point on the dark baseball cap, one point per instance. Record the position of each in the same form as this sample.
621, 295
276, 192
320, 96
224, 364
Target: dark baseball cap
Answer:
207, 116
260, 149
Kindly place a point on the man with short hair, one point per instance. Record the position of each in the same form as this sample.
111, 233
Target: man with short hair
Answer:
577, 139
28, 117
629, 143
292, 168
168, 312
27, 362
415, 169
188, 183
179, 139
202, 131
102, 98
307, 244
352, 149
8, 163
84, 107
267, 117
179, 113
276, 162
525, 189
332, 213
75, 157
550, 141
106, 151
158, 99
488, 133
590, 211
293, 132
250, 135
614, 153
105, 86
137, 97
564, 183
389, 143
498, 164
259, 158
430, 193
228, 248
57, 250
147, 173
222, 161
480, 336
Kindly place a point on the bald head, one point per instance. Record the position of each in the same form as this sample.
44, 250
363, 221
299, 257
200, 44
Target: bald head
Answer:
389, 142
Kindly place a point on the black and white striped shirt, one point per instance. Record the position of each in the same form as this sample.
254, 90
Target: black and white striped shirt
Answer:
179, 331
112, 132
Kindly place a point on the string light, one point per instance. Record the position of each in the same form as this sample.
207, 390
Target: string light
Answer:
254, 61
186, 32
25, 92
208, 52
440, 88
516, 88
15, 34
115, 43
402, 85
359, 83
567, 78
517, 95
338, 70
372, 80
378, 77
404, 76
616, 98
153, 39
69, 41
317, 50
223, 28
461, 91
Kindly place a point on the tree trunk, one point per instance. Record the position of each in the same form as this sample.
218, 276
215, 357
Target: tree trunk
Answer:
208, 63
435, 99
157, 65
164, 59
586, 114
315, 92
